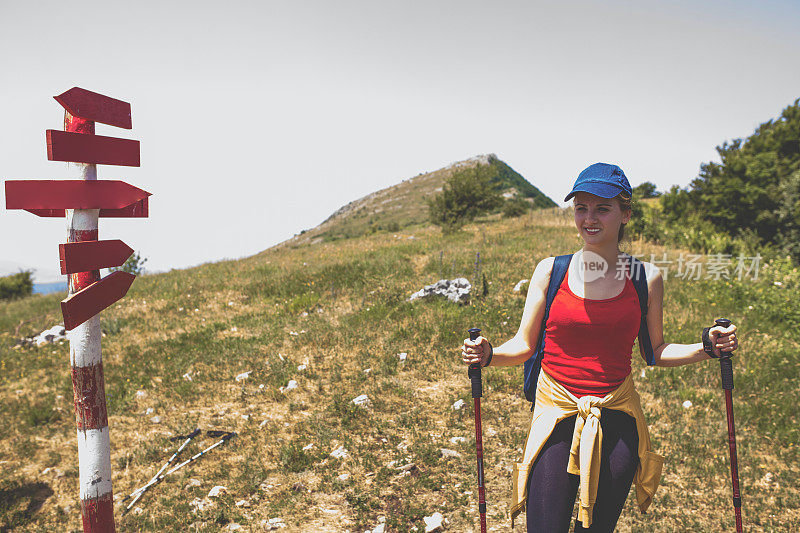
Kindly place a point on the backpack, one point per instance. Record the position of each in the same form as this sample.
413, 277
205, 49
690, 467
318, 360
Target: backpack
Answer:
534, 364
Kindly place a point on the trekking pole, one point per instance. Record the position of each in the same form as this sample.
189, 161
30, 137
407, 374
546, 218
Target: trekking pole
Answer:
477, 391
726, 369
141, 490
226, 435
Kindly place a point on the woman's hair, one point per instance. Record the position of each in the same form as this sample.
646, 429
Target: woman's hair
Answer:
625, 202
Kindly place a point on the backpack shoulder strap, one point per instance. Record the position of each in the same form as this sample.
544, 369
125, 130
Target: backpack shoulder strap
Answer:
532, 365
639, 278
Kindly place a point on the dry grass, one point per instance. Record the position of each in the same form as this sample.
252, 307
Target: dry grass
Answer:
341, 308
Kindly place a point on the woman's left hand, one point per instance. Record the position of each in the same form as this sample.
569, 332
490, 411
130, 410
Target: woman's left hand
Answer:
723, 339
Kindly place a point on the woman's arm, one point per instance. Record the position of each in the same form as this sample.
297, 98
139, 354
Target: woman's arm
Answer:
520, 347
672, 354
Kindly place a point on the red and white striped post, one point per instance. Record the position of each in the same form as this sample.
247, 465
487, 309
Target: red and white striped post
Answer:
94, 443
83, 201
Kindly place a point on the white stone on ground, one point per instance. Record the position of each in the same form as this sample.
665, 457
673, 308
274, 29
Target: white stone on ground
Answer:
433, 522
217, 491
450, 453
289, 386
244, 375
339, 453
458, 404
362, 401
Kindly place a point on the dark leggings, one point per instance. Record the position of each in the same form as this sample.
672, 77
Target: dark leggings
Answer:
552, 491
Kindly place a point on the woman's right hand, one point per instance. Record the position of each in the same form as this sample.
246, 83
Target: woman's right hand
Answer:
476, 351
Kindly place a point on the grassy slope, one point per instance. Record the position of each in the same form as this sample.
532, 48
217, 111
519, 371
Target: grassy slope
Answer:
404, 204
347, 303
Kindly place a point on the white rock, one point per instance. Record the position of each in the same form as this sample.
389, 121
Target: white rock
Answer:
343, 477
300, 368
308, 447
187, 377
233, 526
433, 522
289, 386
275, 523
149, 411
201, 505
244, 375
192, 483
156, 419
456, 290
458, 405
339, 453
450, 453
242, 503
141, 394
362, 401
217, 491
687, 404
367, 370
402, 356
458, 440
379, 528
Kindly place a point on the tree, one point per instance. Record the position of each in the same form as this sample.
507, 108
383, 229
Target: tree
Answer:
466, 194
645, 190
133, 265
16, 285
753, 190
515, 207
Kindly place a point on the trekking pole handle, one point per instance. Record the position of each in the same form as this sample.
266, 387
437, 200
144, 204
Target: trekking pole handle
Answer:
725, 364
474, 372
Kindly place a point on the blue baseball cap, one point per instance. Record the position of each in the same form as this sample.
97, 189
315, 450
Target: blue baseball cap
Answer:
601, 179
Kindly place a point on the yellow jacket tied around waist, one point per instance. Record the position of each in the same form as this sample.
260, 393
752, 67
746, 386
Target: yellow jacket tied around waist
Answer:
555, 403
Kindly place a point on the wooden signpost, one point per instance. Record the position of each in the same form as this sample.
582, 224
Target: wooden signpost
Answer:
82, 201
92, 255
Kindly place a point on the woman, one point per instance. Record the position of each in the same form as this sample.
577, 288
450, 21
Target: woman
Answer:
588, 430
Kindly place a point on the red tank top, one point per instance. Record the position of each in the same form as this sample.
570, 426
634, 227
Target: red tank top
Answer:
588, 343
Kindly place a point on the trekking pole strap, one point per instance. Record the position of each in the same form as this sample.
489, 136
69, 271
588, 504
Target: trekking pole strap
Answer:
474, 371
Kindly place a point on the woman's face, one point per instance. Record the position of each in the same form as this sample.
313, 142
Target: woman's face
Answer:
598, 219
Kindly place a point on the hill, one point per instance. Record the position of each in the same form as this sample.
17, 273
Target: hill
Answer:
403, 205
332, 318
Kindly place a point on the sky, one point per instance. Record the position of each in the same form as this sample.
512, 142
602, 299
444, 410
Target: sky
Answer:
258, 119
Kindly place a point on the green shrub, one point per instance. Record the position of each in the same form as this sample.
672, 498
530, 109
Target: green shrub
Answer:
466, 194
16, 285
515, 207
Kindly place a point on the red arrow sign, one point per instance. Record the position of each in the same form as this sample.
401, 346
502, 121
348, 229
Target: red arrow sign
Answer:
85, 148
97, 107
84, 256
71, 194
87, 302
140, 209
